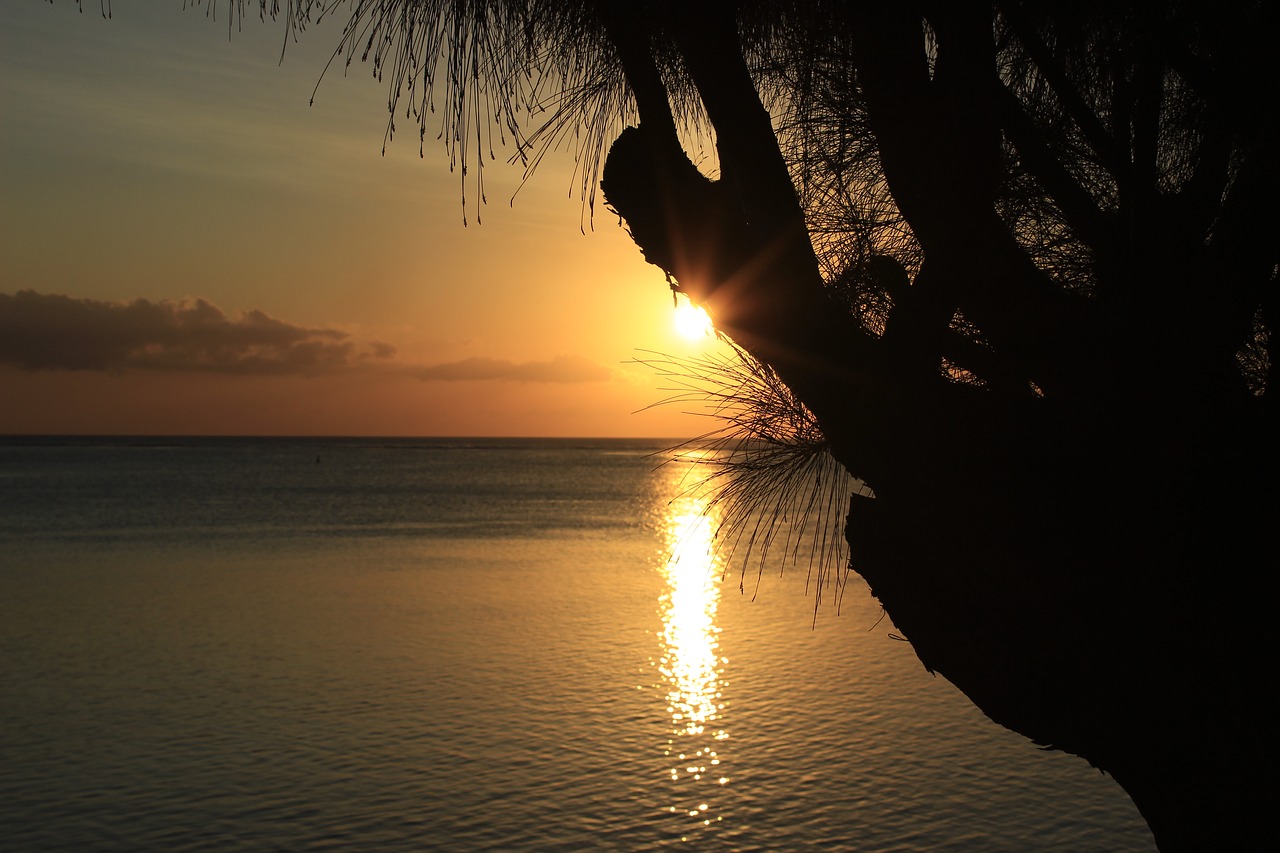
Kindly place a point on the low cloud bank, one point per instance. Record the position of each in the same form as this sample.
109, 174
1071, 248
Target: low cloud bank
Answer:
54, 332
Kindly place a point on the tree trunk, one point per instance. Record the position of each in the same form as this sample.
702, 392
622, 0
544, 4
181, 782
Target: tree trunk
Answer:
1109, 601
1094, 566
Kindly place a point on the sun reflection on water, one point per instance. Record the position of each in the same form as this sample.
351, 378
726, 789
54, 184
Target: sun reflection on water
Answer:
691, 663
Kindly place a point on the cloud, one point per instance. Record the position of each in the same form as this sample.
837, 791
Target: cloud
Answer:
377, 349
53, 332
561, 369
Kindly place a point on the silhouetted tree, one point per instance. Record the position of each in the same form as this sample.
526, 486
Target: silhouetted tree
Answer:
1019, 261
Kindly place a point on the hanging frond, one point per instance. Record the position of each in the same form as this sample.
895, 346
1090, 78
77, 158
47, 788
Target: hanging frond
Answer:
767, 467
481, 75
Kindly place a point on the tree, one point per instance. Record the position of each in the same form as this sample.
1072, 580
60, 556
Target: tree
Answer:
1019, 261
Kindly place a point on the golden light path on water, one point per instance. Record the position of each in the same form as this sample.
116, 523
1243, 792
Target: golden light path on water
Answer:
691, 663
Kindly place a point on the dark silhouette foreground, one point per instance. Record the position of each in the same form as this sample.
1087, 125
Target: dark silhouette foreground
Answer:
1064, 411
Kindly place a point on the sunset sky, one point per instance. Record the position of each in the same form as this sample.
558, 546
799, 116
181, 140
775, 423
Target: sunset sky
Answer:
186, 247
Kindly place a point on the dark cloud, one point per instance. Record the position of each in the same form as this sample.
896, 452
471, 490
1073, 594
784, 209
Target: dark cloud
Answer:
564, 368
377, 349
53, 332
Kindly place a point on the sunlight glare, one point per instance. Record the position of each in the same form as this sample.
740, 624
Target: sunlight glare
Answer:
692, 322
691, 662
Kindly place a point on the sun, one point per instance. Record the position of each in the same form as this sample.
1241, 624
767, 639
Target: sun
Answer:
692, 323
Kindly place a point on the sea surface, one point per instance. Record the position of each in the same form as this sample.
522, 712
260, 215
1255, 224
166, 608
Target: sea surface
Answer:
466, 645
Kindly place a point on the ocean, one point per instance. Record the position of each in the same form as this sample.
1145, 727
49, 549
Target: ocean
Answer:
466, 645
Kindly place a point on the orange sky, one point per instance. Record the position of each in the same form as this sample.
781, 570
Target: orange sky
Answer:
296, 281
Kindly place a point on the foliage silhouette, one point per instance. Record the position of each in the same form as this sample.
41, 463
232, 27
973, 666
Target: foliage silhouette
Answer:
765, 466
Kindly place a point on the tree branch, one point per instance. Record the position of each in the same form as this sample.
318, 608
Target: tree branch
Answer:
935, 142
631, 37
1078, 207
1105, 146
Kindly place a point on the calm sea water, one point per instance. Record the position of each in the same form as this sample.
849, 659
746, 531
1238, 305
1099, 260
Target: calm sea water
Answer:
408, 645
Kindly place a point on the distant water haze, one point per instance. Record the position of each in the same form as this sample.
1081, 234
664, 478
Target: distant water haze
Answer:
472, 645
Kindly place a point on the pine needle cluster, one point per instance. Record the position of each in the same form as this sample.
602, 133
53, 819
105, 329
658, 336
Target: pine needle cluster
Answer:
765, 469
